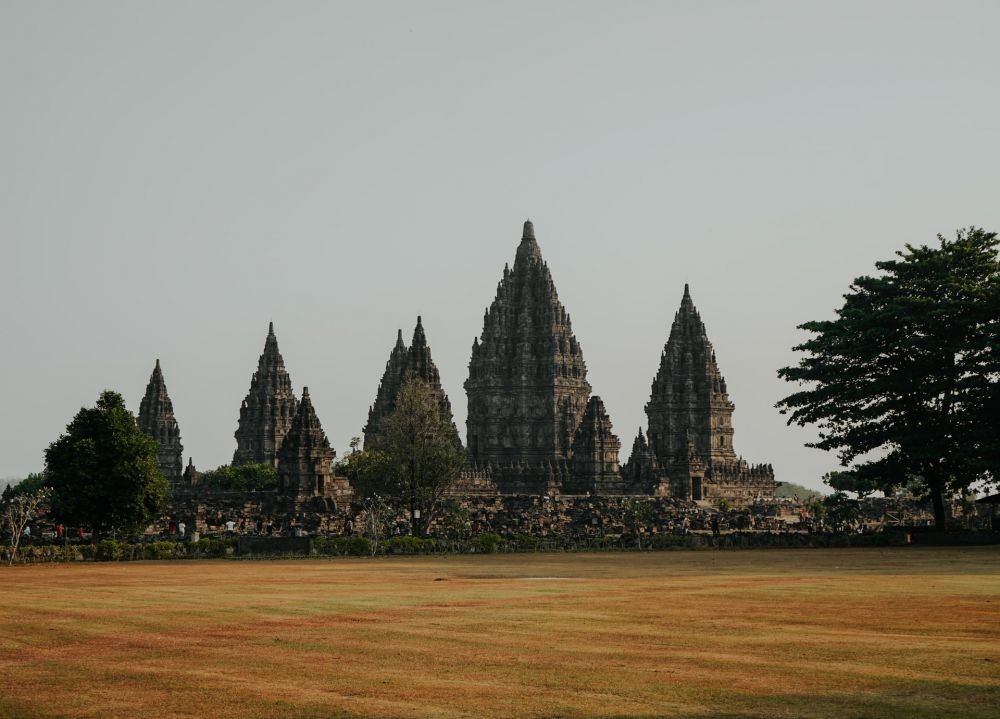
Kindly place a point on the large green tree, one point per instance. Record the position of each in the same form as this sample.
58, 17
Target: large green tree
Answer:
903, 383
422, 454
103, 470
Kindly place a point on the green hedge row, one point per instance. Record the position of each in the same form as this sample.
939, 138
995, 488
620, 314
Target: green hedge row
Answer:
109, 550
113, 551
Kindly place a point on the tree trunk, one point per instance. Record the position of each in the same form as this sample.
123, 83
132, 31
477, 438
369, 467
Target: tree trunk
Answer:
937, 497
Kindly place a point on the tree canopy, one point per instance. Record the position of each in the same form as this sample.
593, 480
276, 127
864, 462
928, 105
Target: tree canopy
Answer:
422, 455
29, 485
365, 468
103, 470
903, 384
241, 478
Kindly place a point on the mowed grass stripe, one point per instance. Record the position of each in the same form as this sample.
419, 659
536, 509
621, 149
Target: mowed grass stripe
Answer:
874, 633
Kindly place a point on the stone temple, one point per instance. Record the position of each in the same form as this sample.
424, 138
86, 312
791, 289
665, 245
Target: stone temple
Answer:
267, 412
305, 459
690, 418
156, 419
412, 361
527, 387
533, 426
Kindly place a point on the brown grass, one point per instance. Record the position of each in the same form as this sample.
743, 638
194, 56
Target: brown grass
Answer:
812, 633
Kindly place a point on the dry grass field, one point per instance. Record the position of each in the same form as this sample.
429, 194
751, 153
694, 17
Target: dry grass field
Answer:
809, 633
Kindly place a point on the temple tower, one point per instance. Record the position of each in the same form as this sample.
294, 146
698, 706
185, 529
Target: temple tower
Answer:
415, 361
268, 409
691, 420
191, 474
689, 401
594, 466
527, 385
388, 389
305, 459
641, 472
419, 364
156, 419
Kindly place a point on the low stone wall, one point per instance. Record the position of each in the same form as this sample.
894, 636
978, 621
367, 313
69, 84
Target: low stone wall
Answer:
267, 514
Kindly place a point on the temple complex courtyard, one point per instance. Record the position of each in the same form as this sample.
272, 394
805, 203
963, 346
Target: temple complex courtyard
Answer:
893, 632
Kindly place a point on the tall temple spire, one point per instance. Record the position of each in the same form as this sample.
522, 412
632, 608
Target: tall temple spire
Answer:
156, 419
528, 250
267, 410
419, 364
388, 389
527, 384
688, 401
305, 457
415, 361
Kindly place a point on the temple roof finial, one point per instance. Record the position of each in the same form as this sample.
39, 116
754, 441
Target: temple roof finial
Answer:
529, 230
419, 337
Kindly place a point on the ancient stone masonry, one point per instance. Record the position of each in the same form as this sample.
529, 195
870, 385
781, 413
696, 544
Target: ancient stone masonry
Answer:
642, 474
738, 481
594, 467
403, 363
690, 416
267, 412
388, 389
420, 365
156, 419
191, 475
305, 459
527, 385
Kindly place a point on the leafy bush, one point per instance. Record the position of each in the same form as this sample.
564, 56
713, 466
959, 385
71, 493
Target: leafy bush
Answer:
404, 545
213, 547
342, 546
486, 543
163, 550
108, 550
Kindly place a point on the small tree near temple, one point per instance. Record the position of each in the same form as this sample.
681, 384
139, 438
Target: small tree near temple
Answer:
364, 468
636, 513
423, 454
103, 470
860, 485
16, 513
378, 513
905, 383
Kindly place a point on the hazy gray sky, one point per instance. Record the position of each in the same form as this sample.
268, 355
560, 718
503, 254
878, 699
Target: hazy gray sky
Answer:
174, 175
